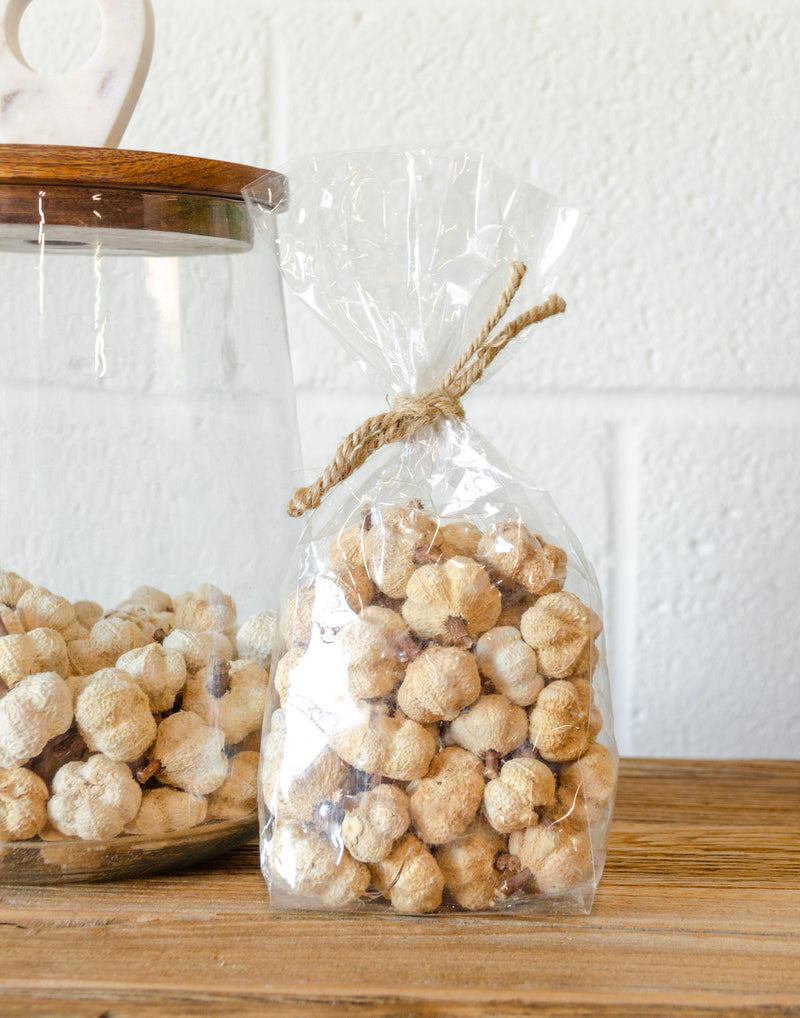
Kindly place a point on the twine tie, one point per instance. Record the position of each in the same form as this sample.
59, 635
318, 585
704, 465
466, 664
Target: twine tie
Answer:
409, 415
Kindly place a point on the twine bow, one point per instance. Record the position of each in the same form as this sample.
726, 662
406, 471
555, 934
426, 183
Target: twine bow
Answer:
410, 414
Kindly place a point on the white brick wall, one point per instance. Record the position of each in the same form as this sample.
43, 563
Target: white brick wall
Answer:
663, 410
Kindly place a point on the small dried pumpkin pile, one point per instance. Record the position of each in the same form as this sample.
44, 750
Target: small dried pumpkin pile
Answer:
144, 719
436, 734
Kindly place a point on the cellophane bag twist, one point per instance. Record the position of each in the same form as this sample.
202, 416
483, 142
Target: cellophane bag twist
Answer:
439, 736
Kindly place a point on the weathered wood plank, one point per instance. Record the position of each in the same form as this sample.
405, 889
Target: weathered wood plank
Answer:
698, 914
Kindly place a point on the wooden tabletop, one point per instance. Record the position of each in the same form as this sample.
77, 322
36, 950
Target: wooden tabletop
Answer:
698, 914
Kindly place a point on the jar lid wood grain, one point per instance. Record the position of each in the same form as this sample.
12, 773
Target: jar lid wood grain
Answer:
124, 201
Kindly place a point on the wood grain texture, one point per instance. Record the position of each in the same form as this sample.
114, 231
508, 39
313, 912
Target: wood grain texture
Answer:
126, 168
698, 914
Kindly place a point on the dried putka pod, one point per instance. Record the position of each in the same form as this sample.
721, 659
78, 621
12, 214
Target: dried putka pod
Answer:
445, 802
379, 817
491, 726
256, 637
468, 866
515, 555
559, 627
393, 747
452, 603
558, 856
23, 804
395, 543
200, 649
12, 587
378, 647
167, 809
439, 684
409, 877
229, 695
113, 716
206, 608
87, 613
310, 866
559, 722
94, 800
510, 664
33, 711
38, 608
160, 674
24, 654
10, 622
512, 799
236, 796
458, 538
288, 664
107, 641
586, 786
191, 754
320, 781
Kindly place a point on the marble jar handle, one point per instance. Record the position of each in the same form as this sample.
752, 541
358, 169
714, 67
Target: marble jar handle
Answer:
88, 106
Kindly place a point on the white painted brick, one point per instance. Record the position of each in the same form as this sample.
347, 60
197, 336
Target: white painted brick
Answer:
719, 559
208, 90
673, 124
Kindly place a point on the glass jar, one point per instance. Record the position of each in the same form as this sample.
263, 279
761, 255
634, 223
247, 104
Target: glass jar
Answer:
147, 444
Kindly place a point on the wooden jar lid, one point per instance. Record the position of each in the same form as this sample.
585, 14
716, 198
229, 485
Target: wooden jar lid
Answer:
125, 201
140, 171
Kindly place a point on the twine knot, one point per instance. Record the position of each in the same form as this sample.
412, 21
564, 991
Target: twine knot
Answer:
411, 414
428, 407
